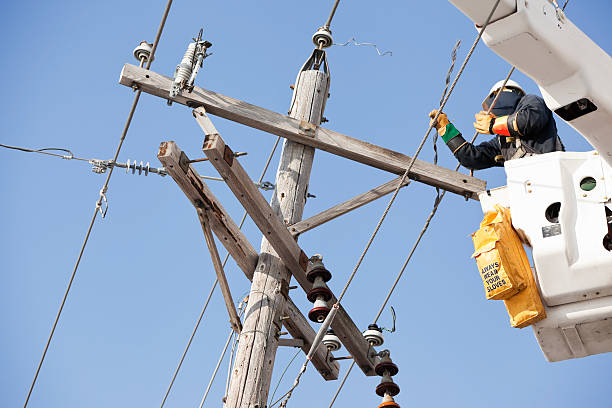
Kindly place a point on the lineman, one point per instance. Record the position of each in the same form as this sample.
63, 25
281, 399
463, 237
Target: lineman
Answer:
523, 125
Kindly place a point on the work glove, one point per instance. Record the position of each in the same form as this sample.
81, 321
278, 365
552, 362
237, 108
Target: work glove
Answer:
447, 131
488, 123
441, 123
484, 122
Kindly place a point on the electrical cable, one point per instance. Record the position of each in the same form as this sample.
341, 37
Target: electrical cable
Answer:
566, 1
438, 199
195, 329
281, 377
331, 14
98, 203
326, 323
71, 155
229, 339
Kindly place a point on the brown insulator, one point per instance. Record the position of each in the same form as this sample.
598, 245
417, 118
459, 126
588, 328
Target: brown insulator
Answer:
317, 269
318, 314
388, 387
322, 292
386, 365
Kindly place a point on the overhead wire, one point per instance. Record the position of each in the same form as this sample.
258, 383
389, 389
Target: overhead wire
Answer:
437, 202
241, 308
326, 323
102, 197
331, 14
199, 320
297, 353
46, 151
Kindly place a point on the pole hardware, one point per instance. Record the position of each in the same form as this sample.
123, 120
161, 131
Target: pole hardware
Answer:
387, 388
187, 70
320, 293
331, 341
142, 53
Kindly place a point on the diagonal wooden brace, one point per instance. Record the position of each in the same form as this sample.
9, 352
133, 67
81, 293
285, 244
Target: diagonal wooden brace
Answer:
233, 239
216, 260
275, 231
345, 207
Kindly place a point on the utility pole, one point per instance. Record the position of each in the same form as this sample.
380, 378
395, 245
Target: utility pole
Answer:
252, 371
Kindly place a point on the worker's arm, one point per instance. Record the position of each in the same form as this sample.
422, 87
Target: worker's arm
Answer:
531, 116
477, 157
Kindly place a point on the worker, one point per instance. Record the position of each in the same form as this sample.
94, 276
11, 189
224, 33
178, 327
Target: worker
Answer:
523, 125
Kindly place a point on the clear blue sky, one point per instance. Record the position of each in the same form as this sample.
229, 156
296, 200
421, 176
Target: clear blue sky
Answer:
146, 270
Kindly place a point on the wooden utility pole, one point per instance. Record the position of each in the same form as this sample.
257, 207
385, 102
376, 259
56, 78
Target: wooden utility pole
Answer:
252, 372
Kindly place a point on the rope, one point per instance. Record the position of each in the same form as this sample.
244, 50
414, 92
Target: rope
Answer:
98, 204
214, 374
195, 329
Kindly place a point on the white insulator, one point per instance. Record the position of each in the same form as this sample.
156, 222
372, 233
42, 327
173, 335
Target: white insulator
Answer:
320, 302
332, 342
143, 52
319, 283
183, 71
323, 37
374, 337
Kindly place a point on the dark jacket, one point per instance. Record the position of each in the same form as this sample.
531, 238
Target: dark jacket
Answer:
531, 122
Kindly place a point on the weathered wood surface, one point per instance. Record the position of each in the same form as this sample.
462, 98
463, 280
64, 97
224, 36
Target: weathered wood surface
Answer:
252, 372
188, 179
277, 234
345, 207
302, 132
218, 266
299, 343
239, 248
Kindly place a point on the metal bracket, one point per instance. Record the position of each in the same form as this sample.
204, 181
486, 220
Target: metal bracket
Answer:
228, 155
303, 260
184, 162
291, 343
307, 129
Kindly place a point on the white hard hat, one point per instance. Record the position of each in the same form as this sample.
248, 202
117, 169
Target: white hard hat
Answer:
509, 84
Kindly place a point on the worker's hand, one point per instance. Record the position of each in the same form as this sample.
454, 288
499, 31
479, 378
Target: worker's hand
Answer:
484, 122
441, 123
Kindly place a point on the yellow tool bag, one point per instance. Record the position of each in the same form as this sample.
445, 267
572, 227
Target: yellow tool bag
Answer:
496, 255
505, 270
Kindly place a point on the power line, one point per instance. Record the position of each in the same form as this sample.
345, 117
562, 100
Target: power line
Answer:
98, 203
331, 14
216, 370
437, 202
325, 325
